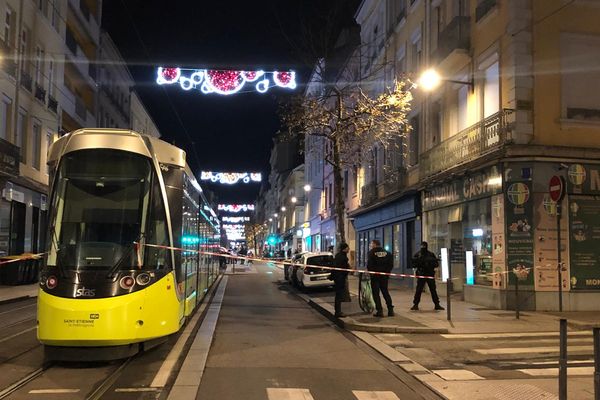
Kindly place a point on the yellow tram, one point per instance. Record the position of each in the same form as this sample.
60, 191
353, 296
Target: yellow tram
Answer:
112, 282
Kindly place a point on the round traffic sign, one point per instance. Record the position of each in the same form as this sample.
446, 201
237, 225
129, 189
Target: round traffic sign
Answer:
556, 188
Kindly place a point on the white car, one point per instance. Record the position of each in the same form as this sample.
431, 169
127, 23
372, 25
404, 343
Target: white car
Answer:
308, 277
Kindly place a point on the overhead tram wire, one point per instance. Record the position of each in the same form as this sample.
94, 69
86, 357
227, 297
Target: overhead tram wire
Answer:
145, 49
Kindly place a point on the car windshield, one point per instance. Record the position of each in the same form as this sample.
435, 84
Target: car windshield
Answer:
98, 206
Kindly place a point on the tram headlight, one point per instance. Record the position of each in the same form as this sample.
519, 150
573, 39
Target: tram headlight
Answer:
127, 282
51, 282
143, 279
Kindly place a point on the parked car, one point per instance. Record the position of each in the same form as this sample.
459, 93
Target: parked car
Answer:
287, 268
313, 276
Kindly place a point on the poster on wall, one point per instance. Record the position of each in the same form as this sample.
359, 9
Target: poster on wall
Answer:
519, 229
584, 237
498, 244
546, 244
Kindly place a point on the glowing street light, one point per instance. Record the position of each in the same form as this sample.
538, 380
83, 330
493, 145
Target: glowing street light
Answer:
430, 79
276, 215
294, 199
307, 188
270, 219
283, 208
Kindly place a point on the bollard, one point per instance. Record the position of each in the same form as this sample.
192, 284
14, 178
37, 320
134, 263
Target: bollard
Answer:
597, 363
517, 296
562, 362
448, 294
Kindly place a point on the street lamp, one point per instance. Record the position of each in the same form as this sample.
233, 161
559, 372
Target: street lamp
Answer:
307, 188
431, 79
294, 199
283, 208
270, 219
276, 215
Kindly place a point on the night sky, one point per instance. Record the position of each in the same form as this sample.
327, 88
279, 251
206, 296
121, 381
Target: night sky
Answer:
224, 133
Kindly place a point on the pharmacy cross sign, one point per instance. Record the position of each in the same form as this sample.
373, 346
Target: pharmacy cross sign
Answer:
556, 188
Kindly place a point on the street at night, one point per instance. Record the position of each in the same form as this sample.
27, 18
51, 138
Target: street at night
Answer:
300, 200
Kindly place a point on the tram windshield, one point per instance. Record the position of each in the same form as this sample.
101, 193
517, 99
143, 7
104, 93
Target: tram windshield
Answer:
99, 203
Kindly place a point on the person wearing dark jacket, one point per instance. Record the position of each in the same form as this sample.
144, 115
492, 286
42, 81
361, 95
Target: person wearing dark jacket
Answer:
339, 277
425, 263
380, 260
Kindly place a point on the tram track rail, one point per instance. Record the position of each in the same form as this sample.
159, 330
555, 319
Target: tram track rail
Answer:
109, 381
24, 381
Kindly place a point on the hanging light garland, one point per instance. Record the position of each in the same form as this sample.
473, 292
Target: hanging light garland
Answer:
230, 178
224, 82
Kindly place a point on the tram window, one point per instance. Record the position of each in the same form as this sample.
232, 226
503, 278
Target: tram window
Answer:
157, 232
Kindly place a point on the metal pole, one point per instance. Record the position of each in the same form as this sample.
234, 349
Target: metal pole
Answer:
560, 292
562, 362
517, 295
597, 363
448, 293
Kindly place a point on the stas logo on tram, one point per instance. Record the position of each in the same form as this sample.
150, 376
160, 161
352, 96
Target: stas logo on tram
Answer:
83, 292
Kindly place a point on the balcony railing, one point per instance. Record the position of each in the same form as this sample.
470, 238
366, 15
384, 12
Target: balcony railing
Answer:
26, 81
80, 108
368, 193
40, 93
488, 135
483, 8
456, 36
52, 104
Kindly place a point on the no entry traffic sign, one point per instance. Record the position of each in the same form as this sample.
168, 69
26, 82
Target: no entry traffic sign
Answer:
556, 188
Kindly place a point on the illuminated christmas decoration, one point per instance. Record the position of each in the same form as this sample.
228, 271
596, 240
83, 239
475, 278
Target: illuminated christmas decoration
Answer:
235, 220
224, 82
230, 178
235, 208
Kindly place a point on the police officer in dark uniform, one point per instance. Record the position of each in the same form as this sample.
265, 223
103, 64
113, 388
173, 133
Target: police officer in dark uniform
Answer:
339, 277
425, 263
380, 260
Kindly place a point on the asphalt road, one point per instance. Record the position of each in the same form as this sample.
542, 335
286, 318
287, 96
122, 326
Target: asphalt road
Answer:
269, 344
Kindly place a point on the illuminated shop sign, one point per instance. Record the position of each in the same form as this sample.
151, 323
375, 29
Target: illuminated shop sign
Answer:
236, 220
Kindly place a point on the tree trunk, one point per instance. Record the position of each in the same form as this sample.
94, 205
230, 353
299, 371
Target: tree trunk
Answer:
338, 187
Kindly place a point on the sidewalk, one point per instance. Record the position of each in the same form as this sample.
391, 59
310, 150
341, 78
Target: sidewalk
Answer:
466, 317
12, 293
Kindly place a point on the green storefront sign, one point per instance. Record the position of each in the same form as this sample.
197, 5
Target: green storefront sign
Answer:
584, 238
519, 228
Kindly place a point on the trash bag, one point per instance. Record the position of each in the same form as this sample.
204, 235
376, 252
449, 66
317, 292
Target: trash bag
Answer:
365, 293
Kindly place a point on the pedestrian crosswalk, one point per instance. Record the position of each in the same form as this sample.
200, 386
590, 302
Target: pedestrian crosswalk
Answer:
304, 394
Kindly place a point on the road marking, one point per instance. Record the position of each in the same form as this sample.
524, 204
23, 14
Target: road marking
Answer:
366, 395
508, 335
457, 375
572, 371
161, 377
140, 389
18, 334
525, 350
53, 391
288, 394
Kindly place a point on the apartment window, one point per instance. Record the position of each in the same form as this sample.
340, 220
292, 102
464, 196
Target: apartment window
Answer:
491, 90
580, 57
8, 23
39, 66
23, 48
21, 139
413, 148
51, 88
416, 50
43, 6
49, 136
435, 121
5, 104
37, 145
330, 194
55, 15
463, 110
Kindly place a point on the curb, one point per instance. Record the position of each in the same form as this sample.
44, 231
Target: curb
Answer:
17, 299
352, 325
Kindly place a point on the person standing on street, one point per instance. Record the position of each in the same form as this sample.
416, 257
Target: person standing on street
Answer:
339, 277
425, 263
380, 260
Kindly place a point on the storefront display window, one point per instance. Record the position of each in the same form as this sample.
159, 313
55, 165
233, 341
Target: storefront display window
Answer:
4, 226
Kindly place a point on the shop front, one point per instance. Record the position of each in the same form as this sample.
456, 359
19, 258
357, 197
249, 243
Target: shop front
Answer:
396, 225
